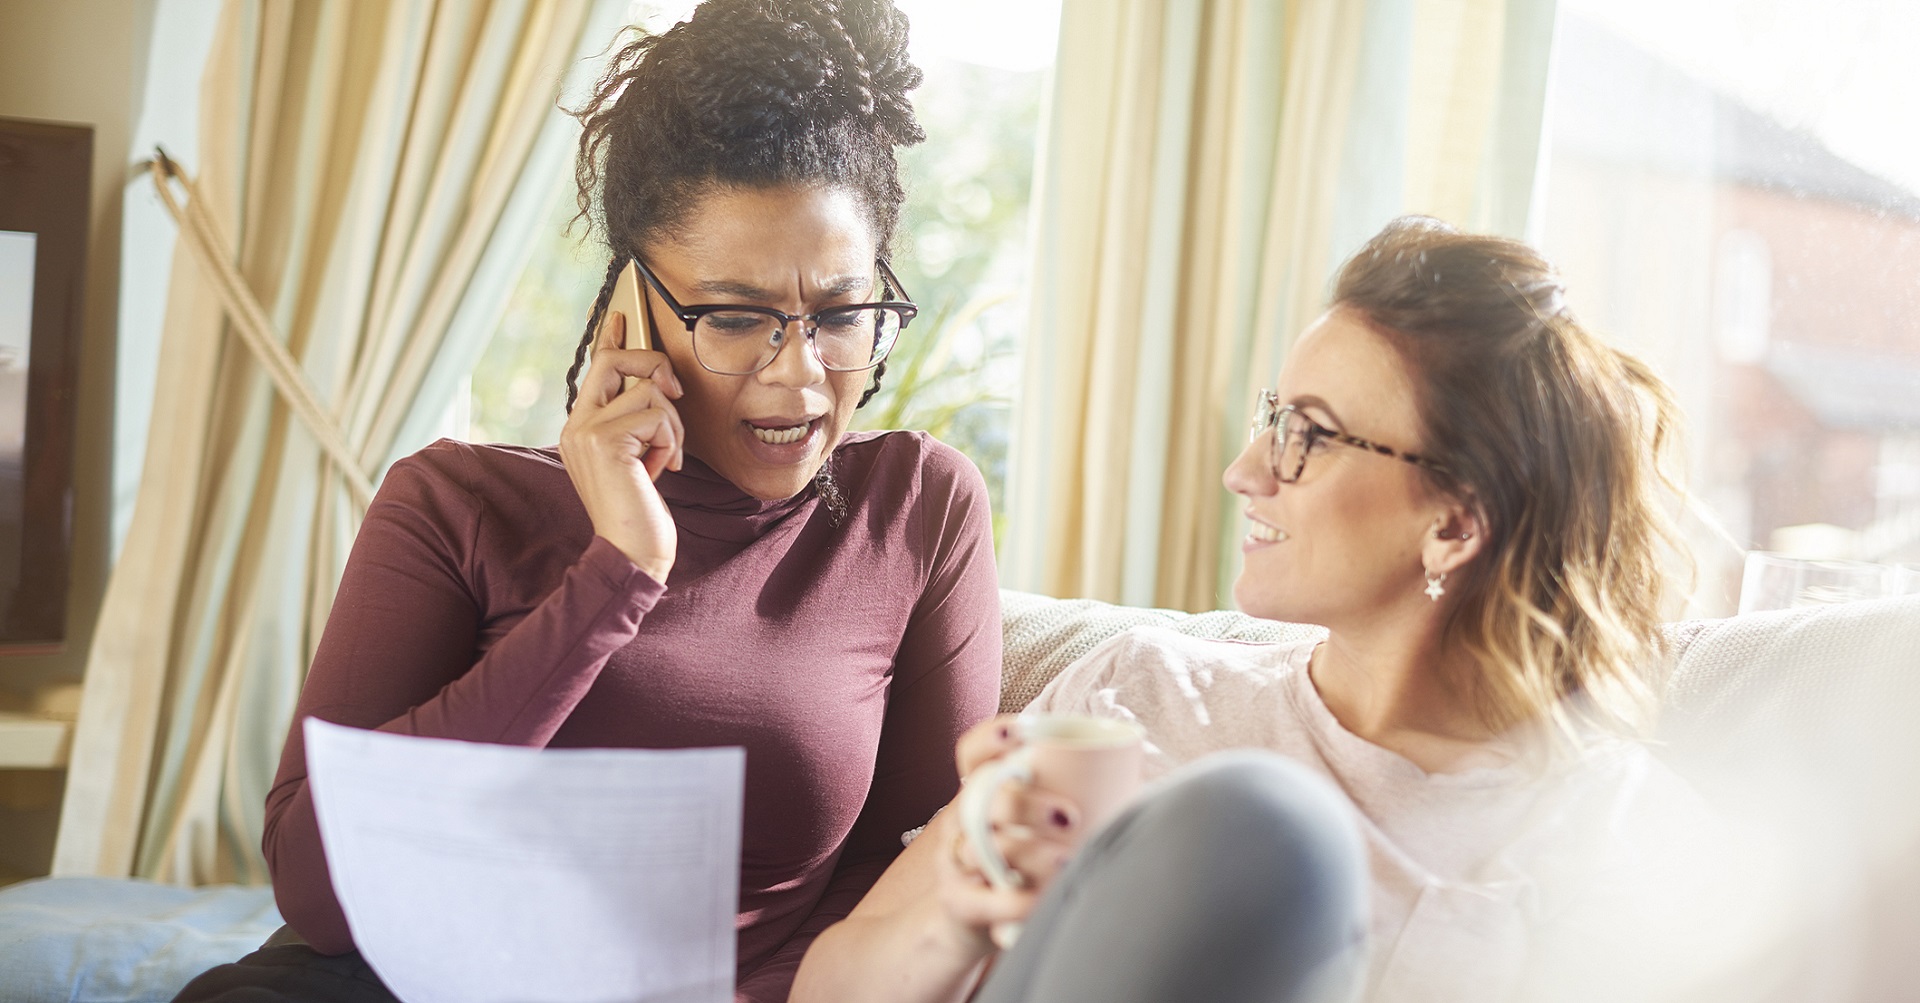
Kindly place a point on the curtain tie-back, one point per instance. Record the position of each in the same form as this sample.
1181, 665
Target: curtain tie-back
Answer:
203, 235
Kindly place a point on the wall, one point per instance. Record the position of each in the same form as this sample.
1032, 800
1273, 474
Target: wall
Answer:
82, 62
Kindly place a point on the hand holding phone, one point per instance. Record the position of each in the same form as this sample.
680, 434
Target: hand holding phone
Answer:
627, 302
624, 431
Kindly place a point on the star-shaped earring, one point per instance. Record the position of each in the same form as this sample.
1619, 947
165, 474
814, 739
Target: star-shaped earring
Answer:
1434, 587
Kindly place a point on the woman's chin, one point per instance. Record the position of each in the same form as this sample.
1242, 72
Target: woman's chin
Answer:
1262, 599
1250, 599
776, 485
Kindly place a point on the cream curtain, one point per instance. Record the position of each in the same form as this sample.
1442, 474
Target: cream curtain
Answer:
368, 175
1204, 167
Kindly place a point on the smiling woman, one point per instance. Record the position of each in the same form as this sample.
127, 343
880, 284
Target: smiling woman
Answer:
1444, 799
709, 557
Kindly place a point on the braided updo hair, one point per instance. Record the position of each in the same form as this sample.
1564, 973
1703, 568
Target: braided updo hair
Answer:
748, 94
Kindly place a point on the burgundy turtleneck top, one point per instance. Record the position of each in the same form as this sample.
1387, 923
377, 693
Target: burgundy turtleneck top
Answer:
846, 658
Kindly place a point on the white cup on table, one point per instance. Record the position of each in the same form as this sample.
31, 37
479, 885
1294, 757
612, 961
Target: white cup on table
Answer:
1095, 762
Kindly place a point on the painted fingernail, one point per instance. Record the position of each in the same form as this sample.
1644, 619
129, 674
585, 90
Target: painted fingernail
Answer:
1060, 819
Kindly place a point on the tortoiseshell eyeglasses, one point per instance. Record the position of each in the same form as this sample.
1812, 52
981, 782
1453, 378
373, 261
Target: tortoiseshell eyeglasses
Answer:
1297, 436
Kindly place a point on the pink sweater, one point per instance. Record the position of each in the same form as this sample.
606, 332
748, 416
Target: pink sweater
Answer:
1601, 879
477, 604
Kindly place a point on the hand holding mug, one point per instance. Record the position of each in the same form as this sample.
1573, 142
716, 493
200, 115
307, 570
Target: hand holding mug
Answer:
1082, 769
1035, 832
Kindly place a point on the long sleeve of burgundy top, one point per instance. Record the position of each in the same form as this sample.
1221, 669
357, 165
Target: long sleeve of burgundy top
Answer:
845, 655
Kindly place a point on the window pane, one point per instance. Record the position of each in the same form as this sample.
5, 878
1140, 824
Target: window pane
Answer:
962, 251
519, 385
1729, 198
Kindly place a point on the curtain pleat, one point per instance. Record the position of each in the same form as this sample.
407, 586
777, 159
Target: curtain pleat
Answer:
357, 161
1204, 167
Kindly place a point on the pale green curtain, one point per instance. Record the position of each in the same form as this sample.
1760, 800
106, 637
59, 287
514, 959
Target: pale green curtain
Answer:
367, 182
1205, 165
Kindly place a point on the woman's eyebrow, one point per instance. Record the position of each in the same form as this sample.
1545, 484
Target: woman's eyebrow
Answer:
839, 286
847, 285
727, 287
1304, 401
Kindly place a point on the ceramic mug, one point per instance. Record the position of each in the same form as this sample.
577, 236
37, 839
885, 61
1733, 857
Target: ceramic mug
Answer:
1095, 762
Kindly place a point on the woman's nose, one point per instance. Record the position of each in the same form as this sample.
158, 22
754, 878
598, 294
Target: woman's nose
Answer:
797, 362
1251, 473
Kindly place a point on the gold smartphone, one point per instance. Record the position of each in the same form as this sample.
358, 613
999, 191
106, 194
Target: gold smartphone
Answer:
628, 303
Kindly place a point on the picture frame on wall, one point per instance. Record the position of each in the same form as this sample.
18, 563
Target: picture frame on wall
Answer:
45, 170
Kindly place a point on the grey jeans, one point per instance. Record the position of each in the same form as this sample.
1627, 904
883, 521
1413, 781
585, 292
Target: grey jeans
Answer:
1238, 879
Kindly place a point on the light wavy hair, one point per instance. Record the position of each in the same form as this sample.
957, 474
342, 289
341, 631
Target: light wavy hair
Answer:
1560, 443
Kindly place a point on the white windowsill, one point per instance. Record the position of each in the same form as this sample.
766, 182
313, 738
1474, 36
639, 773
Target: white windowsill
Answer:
30, 742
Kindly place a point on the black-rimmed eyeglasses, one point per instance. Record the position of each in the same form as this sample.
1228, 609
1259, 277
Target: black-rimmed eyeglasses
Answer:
735, 339
1297, 437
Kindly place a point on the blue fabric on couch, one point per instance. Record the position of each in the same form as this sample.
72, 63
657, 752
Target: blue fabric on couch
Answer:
113, 940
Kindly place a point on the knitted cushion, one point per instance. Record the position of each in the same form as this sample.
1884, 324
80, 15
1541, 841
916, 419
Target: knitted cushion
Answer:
1803, 722
1043, 635
1785, 711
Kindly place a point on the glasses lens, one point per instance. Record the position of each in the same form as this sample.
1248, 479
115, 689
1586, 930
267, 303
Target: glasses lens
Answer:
856, 338
736, 341
1292, 442
1263, 402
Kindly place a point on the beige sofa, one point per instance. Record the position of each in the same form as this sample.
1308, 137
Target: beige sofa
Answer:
1804, 720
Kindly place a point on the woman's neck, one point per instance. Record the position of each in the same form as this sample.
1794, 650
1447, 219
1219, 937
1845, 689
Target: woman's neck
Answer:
1401, 689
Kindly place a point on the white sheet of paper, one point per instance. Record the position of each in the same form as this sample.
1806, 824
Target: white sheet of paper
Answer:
473, 873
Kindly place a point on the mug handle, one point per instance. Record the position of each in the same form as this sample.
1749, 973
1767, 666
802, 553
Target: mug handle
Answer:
976, 804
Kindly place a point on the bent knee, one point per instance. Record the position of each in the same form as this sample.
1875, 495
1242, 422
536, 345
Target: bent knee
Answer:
1261, 818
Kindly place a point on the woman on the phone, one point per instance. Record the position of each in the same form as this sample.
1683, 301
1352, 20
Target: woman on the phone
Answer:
1461, 484
709, 557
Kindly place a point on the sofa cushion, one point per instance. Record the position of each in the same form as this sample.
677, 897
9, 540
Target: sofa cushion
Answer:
1805, 715
1043, 635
